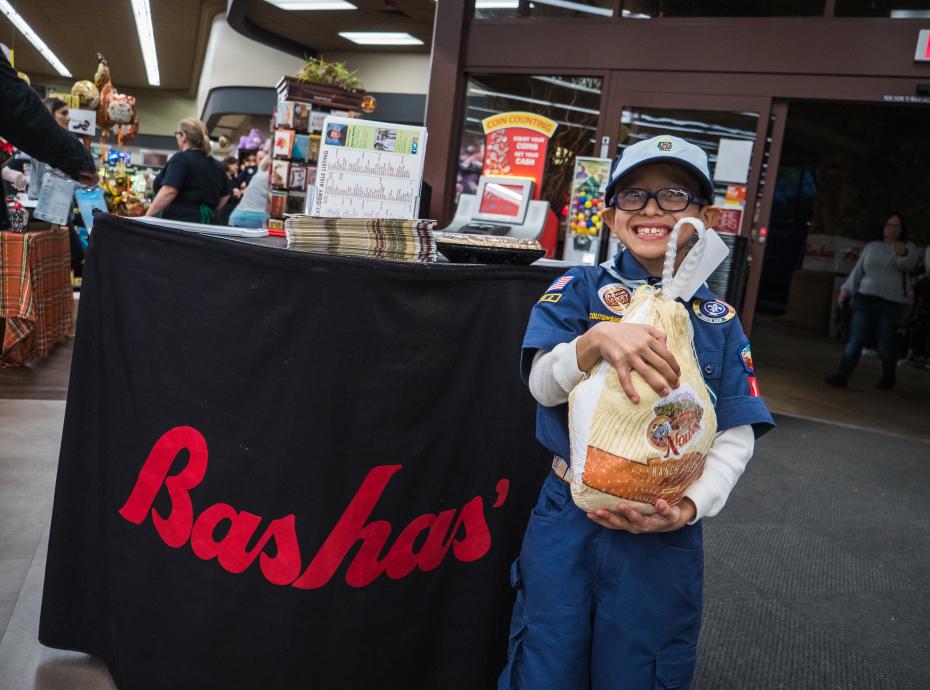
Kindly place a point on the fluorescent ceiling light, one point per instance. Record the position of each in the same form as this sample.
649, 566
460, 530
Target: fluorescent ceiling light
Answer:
497, 4
381, 38
910, 14
296, 5
143, 15
7, 9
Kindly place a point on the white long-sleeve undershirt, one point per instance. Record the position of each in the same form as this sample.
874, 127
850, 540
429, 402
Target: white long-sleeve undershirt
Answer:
553, 376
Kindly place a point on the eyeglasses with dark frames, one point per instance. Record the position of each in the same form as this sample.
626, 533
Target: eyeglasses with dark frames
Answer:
671, 199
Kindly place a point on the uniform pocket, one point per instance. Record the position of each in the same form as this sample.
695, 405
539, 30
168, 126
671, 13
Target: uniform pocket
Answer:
711, 363
517, 628
687, 538
554, 500
675, 668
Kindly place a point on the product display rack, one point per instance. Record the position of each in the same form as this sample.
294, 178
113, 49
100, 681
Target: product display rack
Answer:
297, 125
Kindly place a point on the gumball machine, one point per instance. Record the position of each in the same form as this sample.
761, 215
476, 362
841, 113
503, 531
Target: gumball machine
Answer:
585, 228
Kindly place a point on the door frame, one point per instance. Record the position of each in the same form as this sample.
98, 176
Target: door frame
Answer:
758, 207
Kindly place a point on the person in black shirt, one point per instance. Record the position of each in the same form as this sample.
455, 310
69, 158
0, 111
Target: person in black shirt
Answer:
192, 186
27, 125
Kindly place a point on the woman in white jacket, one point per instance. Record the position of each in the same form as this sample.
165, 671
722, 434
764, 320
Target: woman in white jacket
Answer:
879, 283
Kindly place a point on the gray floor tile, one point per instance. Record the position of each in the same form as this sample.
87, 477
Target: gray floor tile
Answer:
27, 665
12, 575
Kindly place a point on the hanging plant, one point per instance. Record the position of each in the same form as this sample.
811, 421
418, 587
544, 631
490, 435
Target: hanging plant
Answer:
334, 73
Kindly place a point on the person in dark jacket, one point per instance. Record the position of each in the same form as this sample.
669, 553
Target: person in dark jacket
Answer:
192, 186
26, 123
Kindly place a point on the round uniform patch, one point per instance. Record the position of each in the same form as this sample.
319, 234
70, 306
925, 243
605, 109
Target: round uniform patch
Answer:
745, 354
615, 297
713, 311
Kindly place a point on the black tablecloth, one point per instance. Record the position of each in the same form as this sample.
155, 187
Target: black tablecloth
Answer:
286, 470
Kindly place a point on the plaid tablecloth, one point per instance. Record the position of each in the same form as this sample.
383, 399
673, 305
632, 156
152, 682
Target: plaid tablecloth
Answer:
36, 301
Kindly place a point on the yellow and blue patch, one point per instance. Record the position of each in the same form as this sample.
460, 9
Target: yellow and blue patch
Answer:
713, 311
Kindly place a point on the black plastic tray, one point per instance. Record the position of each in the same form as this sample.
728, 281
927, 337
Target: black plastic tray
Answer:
476, 254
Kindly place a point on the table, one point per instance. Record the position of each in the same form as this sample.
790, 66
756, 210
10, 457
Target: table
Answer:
36, 299
285, 470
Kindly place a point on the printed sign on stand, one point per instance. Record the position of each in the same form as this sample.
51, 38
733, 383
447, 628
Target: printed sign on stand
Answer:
82, 121
516, 146
369, 169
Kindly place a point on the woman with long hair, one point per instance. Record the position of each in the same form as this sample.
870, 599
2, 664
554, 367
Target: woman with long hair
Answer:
879, 288
192, 186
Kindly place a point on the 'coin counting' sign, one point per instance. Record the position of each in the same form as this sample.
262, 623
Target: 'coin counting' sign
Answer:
516, 146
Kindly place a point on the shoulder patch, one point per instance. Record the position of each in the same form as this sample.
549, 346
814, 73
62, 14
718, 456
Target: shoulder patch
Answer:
551, 297
560, 283
616, 297
745, 355
713, 311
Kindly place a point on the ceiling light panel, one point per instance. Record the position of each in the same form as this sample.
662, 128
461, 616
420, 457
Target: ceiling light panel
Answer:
375, 38
309, 5
7, 9
143, 14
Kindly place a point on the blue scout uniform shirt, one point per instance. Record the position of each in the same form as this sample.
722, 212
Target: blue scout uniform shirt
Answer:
587, 295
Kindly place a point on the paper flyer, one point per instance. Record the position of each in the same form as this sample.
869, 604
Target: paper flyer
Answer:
369, 169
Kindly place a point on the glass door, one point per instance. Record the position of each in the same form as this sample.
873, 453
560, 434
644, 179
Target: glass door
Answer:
736, 134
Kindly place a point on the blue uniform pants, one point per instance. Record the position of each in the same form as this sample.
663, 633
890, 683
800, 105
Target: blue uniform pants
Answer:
602, 609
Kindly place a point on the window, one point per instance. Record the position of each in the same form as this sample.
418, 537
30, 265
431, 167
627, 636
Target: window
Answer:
895, 9
647, 9
531, 9
573, 102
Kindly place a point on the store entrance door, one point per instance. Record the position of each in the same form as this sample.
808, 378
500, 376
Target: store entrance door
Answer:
741, 136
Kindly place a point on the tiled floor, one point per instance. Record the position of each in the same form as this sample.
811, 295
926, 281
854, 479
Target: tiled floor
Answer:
792, 365
30, 434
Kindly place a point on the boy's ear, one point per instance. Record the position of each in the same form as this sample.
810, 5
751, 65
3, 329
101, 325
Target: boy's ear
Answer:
607, 215
710, 215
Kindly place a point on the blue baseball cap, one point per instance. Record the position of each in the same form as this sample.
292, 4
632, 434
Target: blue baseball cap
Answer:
664, 148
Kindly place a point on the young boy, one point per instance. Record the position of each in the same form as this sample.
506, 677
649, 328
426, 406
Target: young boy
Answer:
612, 599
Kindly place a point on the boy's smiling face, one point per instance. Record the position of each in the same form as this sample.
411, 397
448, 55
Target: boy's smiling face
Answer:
646, 232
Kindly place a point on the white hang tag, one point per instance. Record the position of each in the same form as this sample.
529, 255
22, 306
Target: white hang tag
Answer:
715, 252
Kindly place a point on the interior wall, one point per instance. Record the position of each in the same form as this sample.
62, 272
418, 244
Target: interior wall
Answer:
231, 59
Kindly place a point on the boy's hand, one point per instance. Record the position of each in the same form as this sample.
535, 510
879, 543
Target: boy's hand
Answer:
666, 518
630, 347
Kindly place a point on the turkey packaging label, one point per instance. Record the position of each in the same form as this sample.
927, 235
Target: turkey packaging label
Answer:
623, 452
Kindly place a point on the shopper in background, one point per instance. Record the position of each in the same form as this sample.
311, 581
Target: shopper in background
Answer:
230, 167
192, 186
27, 125
59, 110
251, 211
880, 285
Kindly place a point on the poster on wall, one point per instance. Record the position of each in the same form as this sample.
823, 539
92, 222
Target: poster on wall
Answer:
583, 223
731, 209
516, 146
369, 169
